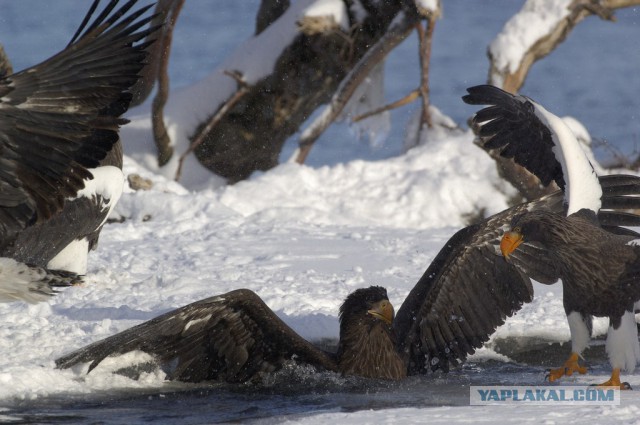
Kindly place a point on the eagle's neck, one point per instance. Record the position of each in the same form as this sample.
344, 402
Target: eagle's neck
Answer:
368, 349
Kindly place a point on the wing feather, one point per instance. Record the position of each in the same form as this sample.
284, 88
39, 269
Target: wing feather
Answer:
60, 117
231, 337
511, 125
469, 289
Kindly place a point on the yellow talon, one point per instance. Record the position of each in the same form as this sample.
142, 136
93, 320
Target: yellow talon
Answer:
614, 381
569, 367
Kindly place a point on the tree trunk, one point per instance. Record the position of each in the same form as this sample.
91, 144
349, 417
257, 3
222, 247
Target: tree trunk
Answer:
250, 136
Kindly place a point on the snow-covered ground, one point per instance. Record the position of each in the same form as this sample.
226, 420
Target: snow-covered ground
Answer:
302, 237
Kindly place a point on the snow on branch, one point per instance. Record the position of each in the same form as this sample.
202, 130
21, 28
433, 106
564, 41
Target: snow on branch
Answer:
535, 31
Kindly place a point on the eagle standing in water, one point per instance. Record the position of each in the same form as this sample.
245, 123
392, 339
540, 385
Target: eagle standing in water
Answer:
600, 270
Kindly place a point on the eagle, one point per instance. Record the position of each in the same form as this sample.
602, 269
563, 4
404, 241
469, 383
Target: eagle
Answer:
60, 152
464, 295
599, 269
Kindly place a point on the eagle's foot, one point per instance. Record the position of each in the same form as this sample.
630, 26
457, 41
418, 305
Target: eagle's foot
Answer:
569, 367
614, 381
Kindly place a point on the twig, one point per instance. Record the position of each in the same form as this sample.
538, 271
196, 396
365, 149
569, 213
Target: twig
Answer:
425, 37
398, 103
243, 88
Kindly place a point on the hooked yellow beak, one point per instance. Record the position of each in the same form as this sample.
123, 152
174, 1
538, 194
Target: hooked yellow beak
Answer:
510, 241
382, 310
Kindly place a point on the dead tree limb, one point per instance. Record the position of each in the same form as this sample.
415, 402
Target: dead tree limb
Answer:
388, 107
160, 136
305, 75
425, 38
376, 54
511, 77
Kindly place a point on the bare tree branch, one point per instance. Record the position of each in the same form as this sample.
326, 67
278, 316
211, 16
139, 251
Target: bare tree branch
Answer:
425, 37
398, 103
396, 33
579, 9
160, 136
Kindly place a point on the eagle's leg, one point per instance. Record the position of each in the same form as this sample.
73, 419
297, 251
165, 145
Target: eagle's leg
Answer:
569, 367
614, 381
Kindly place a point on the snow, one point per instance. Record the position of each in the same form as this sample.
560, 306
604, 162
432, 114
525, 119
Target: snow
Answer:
334, 9
190, 106
302, 237
535, 20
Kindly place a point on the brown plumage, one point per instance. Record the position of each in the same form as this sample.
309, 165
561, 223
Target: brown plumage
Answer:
467, 291
59, 120
600, 271
597, 268
600, 274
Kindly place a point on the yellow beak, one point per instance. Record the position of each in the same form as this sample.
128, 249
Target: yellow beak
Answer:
510, 241
383, 310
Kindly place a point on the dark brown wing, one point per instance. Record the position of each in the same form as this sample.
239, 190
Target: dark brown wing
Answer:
464, 295
470, 289
511, 126
230, 337
61, 117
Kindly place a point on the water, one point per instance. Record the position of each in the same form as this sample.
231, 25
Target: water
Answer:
296, 392
189, 404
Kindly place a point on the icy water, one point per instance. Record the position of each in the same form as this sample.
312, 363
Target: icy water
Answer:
220, 404
295, 393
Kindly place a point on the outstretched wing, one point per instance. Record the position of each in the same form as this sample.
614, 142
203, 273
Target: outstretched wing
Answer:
230, 337
519, 128
511, 126
61, 117
470, 289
